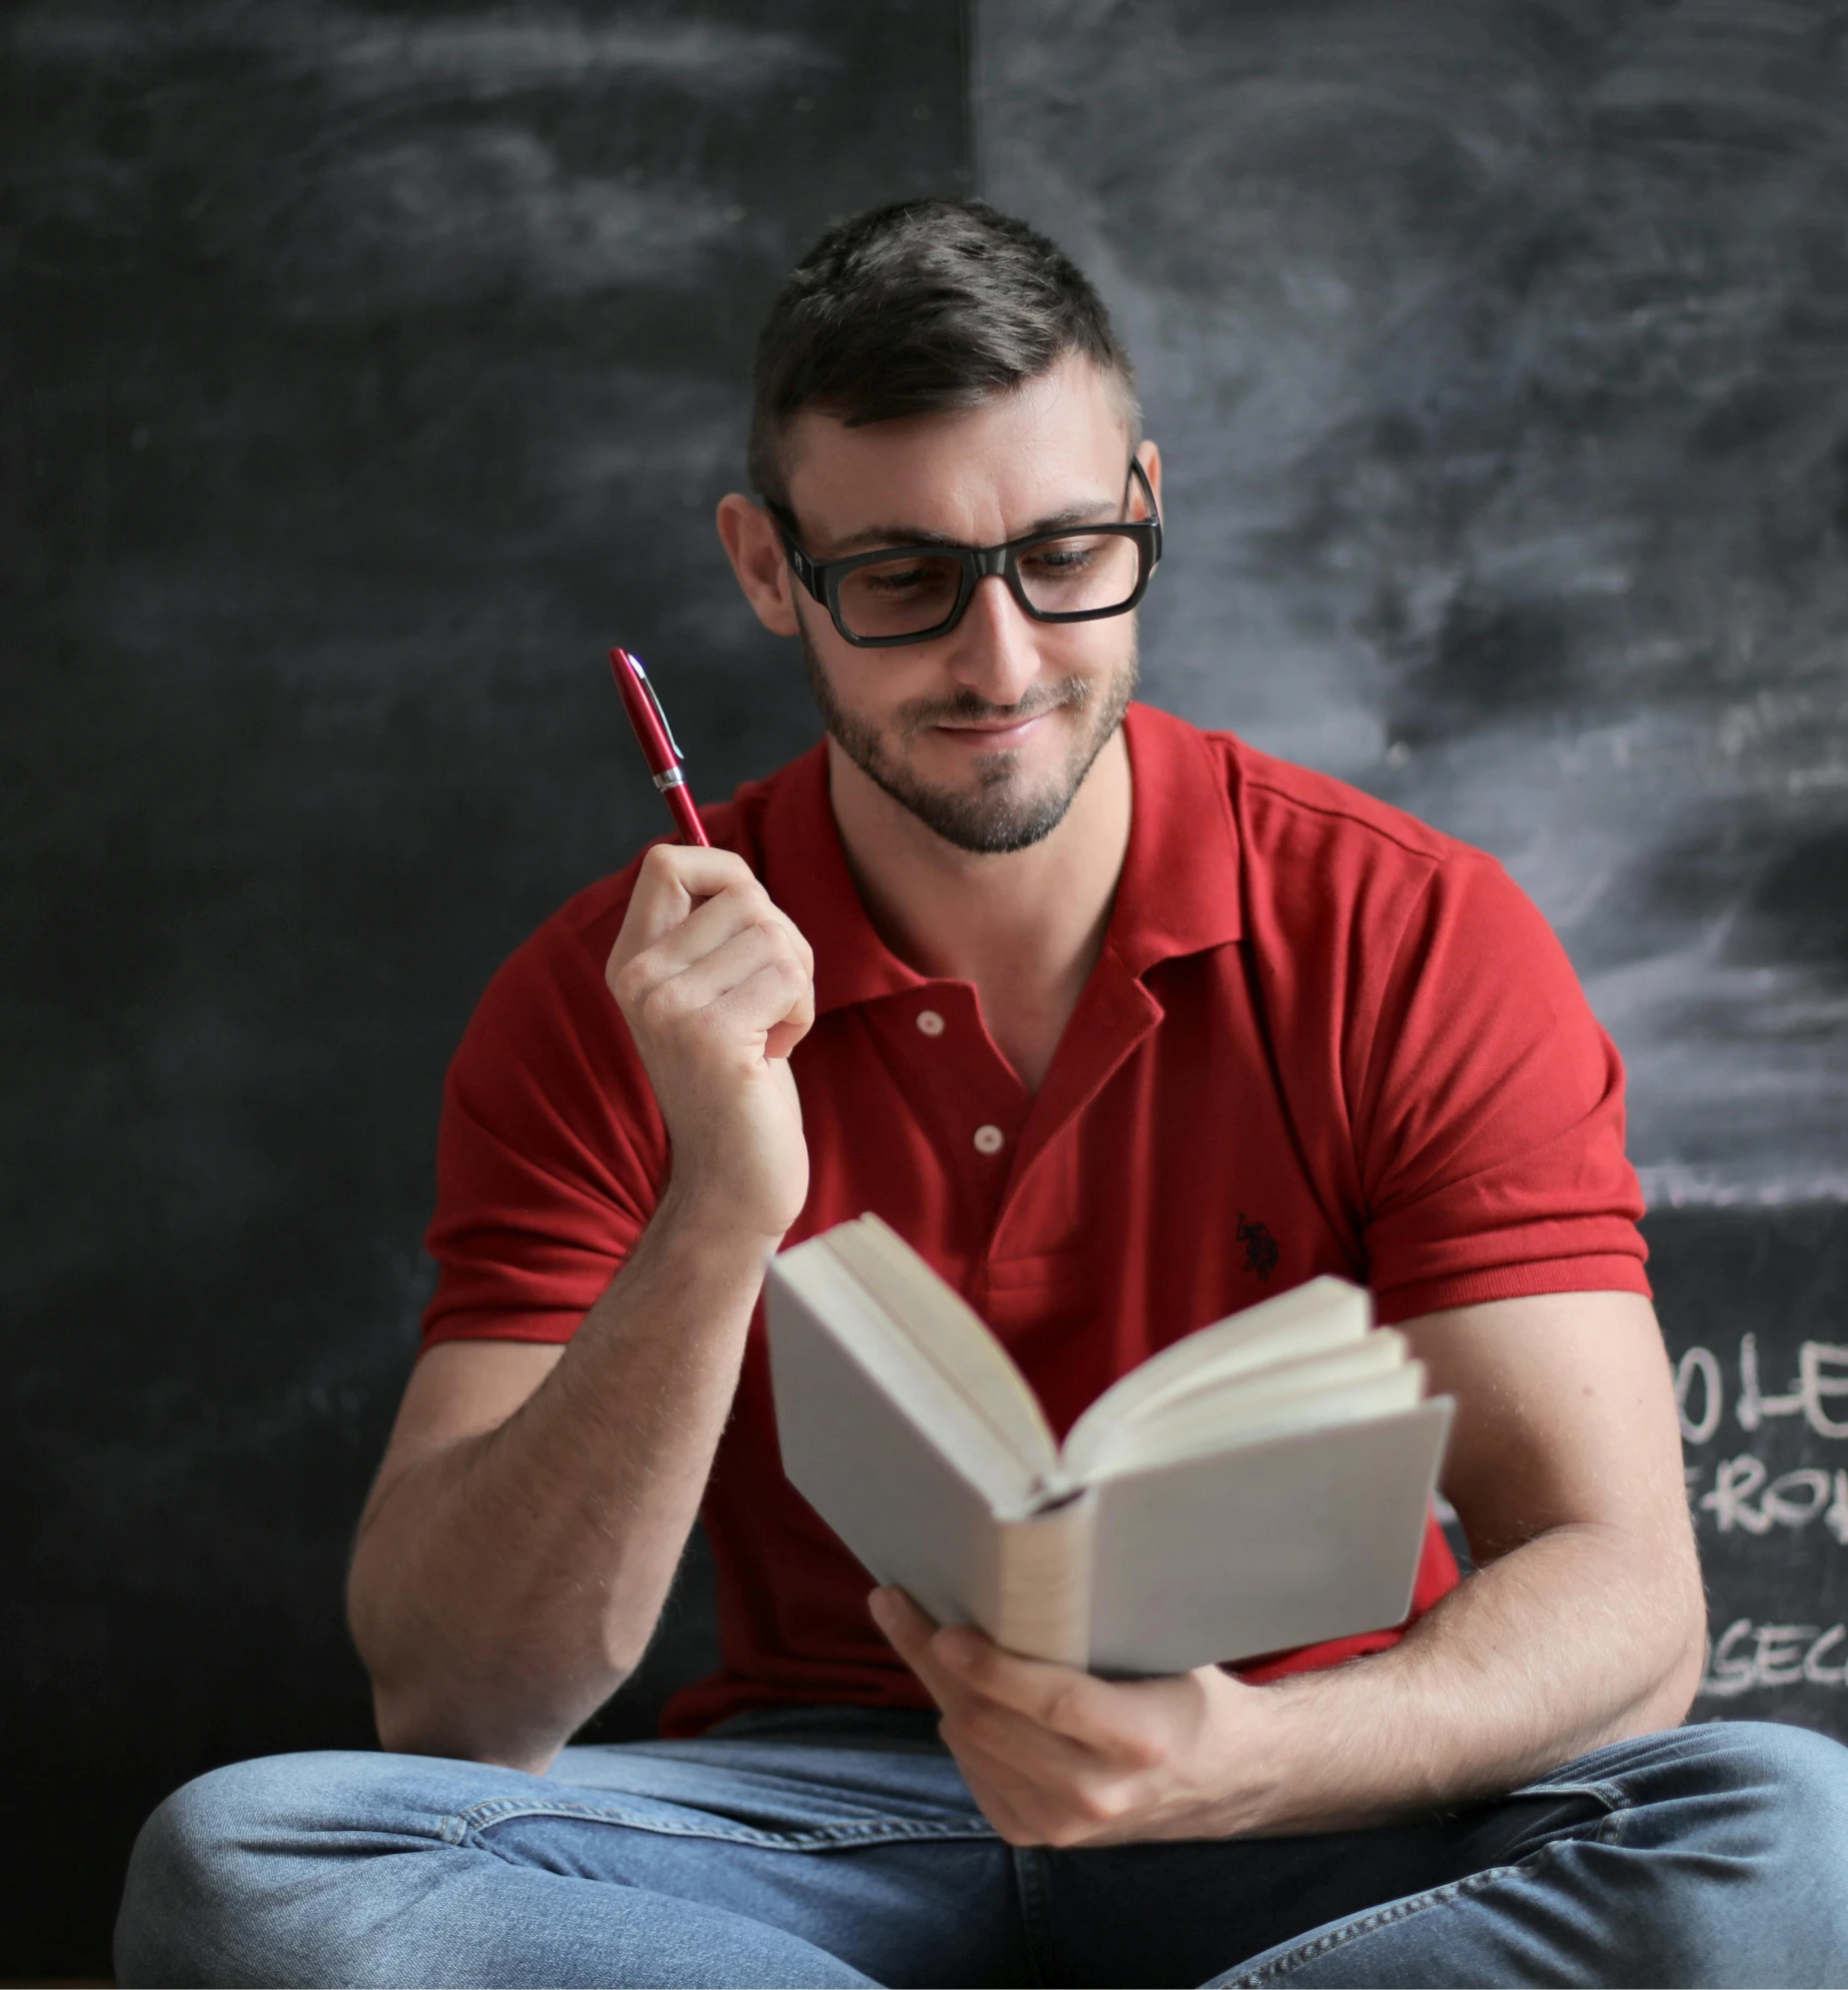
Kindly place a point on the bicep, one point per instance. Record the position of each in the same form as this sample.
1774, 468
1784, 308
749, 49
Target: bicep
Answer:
459, 1389
1565, 1416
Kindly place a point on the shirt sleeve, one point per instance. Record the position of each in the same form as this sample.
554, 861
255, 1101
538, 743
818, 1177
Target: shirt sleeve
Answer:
1488, 1111
550, 1154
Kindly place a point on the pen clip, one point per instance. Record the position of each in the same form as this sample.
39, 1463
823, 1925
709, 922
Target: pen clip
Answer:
647, 692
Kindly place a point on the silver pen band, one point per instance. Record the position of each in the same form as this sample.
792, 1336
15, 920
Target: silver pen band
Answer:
674, 777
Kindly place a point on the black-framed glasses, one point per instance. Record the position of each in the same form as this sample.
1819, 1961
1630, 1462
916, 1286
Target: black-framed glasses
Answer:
909, 594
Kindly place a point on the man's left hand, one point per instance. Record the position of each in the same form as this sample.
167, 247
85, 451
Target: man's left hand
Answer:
1056, 1757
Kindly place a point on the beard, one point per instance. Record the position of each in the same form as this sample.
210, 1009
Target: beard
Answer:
1001, 813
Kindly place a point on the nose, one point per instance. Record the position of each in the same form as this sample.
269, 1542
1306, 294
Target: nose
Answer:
997, 655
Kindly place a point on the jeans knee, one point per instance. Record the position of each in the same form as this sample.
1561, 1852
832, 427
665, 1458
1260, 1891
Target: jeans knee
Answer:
1802, 1778
1795, 1775
181, 1898
1753, 1818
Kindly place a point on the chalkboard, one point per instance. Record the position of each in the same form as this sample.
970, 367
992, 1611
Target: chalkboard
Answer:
1500, 358
365, 370
1754, 1312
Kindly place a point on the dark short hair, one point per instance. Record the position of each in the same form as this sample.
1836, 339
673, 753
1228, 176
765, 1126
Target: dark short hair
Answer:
917, 309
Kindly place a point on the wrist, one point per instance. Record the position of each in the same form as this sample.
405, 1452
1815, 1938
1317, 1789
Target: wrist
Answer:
1328, 1751
716, 1228
1255, 1759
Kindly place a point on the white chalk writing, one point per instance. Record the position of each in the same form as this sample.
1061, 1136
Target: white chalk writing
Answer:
1745, 1499
1747, 1655
1815, 1385
1698, 1365
1816, 1393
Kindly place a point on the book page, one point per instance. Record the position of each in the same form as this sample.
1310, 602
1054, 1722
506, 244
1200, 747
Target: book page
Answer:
949, 1334
836, 1313
1323, 1314
857, 1454
1231, 1402
1195, 1432
887, 1455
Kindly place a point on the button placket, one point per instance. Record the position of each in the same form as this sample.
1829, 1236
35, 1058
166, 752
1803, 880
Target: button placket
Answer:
963, 1088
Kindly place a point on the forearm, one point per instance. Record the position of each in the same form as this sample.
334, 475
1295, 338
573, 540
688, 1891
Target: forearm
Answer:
1584, 1636
503, 1588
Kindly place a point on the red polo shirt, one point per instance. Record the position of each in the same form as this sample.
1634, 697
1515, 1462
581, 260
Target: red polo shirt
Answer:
1321, 1037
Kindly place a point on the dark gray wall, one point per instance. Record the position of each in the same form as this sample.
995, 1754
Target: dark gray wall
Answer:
368, 370
1501, 356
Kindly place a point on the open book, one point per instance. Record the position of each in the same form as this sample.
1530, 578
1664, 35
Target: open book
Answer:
1262, 1483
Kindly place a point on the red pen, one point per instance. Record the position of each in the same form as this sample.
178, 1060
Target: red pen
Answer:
658, 746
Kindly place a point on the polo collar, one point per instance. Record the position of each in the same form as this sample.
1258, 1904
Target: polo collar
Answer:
1179, 893
805, 872
1180, 889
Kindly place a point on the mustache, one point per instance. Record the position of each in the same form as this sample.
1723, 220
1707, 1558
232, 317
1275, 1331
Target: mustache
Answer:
969, 708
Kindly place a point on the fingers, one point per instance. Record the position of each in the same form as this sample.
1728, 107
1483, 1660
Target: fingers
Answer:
674, 886
1015, 1713
907, 1629
674, 879
716, 986
1056, 1697
699, 927
1035, 1785
960, 1664
1020, 1715
740, 903
1003, 1783
920, 1644
738, 992
1056, 1757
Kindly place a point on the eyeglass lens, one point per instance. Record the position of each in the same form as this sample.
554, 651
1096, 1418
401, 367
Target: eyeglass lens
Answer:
1068, 573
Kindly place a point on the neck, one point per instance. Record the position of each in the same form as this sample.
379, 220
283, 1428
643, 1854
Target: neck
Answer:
1026, 927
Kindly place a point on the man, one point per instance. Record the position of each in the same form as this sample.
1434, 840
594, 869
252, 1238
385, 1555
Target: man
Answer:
1124, 1026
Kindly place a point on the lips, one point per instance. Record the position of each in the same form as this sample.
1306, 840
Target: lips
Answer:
995, 737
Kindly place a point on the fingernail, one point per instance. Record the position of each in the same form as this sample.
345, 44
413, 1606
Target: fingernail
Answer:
880, 1608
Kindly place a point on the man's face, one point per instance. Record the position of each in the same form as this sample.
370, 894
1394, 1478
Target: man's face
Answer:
985, 733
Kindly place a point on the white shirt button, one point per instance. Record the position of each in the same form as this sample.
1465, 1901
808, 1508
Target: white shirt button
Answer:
989, 1140
930, 1022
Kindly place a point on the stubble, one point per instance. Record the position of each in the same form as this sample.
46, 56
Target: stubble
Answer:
998, 815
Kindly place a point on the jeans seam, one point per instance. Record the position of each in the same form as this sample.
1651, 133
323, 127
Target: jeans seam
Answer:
1611, 1794
1031, 1888
1609, 1832
484, 1816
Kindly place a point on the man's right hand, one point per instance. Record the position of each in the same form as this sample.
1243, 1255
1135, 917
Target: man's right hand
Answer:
718, 988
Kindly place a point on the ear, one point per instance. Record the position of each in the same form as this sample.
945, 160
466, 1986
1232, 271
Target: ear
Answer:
1151, 460
754, 545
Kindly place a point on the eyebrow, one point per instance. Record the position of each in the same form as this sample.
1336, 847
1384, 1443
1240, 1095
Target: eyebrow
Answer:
871, 536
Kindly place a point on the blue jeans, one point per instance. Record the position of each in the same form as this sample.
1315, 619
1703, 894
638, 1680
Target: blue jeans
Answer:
834, 1846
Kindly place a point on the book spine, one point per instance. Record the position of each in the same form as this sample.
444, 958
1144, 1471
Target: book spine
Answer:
1044, 1582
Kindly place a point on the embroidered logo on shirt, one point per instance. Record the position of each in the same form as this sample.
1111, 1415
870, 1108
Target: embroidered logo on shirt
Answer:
1261, 1251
